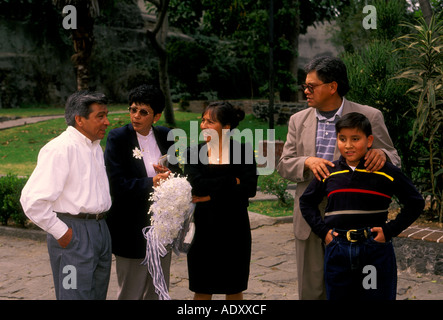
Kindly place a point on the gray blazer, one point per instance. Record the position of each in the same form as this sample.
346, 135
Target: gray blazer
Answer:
300, 144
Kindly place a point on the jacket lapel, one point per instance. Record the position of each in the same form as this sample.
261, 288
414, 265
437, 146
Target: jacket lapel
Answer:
159, 139
308, 141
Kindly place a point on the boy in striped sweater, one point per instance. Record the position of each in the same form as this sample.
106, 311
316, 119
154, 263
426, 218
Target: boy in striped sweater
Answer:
355, 229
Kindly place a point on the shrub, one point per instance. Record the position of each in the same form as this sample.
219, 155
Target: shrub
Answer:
10, 190
423, 49
276, 185
371, 71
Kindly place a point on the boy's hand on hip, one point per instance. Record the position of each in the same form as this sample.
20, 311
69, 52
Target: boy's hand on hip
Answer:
330, 236
380, 237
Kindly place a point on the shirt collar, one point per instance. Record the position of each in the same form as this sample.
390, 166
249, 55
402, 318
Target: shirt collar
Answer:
337, 114
77, 135
361, 164
147, 137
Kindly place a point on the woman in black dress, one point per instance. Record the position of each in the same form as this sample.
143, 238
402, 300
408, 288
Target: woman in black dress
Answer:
223, 176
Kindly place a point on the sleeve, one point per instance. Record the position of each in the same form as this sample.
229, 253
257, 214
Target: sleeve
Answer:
118, 167
382, 140
246, 172
309, 203
291, 165
411, 202
44, 187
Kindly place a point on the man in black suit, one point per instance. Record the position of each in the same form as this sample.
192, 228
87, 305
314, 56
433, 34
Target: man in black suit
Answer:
131, 157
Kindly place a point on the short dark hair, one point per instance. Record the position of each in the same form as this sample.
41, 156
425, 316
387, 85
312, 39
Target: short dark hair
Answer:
149, 95
330, 69
78, 104
354, 120
225, 113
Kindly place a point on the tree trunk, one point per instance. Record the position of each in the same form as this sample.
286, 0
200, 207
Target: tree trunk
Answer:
157, 37
83, 41
426, 9
163, 74
293, 34
164, 85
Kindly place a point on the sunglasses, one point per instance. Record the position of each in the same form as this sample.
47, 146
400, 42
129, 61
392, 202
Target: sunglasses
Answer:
142, 112
311, 87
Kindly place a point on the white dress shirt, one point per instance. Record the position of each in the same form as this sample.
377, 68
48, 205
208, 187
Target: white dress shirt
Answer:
150, 151
70, 177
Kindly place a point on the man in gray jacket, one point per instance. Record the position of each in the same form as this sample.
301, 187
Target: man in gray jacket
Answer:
311, 146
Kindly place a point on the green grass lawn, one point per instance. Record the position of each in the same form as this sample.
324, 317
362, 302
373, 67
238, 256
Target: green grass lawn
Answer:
271, 208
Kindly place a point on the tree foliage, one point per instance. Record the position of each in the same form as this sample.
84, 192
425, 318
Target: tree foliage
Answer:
242, 27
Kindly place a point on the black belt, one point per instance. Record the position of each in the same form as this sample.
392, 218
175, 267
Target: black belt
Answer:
85, 216
354, 235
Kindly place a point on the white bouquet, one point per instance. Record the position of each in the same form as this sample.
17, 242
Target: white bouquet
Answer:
171, 210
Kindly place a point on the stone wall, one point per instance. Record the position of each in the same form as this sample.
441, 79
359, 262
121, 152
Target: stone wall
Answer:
419, 256
247, 105
316, 42
35, 69
28, 73
282, 110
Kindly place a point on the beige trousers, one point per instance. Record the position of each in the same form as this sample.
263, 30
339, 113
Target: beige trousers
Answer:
310, 268
134, 279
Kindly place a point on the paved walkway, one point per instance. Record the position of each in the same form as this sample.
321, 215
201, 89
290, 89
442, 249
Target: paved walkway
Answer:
17, 122
24, 121
25, 272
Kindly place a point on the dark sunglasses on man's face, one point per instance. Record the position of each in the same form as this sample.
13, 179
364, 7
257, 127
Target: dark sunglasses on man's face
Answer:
142, 112
311, 87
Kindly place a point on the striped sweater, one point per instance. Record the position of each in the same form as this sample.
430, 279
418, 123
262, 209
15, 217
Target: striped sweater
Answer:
359, 199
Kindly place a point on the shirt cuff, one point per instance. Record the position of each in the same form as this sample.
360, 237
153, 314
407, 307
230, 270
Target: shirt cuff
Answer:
58, 229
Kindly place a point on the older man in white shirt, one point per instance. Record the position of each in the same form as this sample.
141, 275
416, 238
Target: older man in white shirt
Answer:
67, 195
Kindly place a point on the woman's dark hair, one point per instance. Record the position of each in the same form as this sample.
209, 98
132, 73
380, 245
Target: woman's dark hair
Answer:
354, 120
78, 104
225, 113
330, 69
149, 95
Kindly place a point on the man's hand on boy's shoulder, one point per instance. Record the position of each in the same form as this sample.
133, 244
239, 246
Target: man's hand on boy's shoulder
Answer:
375, 160
318, 167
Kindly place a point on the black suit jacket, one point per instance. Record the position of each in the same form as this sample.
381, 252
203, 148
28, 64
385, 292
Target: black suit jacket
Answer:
130, 188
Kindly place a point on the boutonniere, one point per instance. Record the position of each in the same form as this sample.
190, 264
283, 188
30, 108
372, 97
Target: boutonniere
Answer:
136, 153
